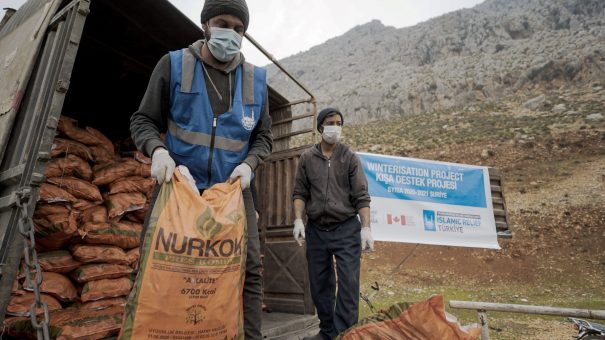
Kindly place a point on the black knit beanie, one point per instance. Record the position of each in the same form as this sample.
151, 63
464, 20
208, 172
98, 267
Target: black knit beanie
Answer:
213, 8
324, 113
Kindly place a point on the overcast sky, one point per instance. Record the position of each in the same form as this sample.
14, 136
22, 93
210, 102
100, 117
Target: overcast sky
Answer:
286, 27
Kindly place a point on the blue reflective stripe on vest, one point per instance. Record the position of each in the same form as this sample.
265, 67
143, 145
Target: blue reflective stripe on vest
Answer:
191, 119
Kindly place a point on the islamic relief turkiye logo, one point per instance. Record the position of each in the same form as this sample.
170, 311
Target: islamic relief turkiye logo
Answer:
428, 217
207, 225
195, 314
247, 122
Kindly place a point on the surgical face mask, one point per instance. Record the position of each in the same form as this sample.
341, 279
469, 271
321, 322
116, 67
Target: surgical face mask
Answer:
224, 43
331, 133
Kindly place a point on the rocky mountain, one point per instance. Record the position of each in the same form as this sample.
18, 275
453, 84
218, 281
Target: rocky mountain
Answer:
498, 48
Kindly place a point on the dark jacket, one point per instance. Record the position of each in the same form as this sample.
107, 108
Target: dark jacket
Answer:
151, 119
333, 189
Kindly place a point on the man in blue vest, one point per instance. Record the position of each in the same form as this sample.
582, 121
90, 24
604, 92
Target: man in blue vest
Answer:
214, 110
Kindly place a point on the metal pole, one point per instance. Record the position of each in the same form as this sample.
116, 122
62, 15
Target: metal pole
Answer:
270, 56
529, 309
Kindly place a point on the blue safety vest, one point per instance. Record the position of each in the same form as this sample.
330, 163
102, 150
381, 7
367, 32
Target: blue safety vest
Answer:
211, 146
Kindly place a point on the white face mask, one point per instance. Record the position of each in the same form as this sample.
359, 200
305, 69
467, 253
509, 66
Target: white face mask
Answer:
331, 133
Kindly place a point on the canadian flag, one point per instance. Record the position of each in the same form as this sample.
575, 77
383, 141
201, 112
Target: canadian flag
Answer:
395, 219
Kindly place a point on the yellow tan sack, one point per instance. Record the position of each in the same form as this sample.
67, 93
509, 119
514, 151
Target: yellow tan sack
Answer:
192, 265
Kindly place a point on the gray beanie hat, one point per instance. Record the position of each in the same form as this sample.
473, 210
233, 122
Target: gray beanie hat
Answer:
324, 113
238, 8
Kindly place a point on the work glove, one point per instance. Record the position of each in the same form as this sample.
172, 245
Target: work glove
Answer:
244, 172
367, 239
299, 231
185, 172
162, 165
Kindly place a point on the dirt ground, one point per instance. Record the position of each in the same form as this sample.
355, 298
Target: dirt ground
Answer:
554, 186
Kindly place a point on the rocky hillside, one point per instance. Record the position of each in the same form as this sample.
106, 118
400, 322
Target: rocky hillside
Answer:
498, 48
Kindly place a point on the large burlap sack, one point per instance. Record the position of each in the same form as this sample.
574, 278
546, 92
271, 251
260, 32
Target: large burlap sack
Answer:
192, 265
77, 187
122, 234
71, 324
420, 321
99, 254
69, 165
20, 305
62, 146
106, 288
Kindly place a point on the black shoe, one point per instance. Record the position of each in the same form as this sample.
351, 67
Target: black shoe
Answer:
317, 336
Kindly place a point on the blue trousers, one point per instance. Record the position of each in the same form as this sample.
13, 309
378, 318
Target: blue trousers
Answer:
336, 311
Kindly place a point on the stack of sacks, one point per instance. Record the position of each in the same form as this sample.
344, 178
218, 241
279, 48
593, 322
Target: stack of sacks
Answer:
88, 224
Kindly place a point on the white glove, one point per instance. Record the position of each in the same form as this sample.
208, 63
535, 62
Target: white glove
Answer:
299, 231
244, 172
367, 239
185, 172
162, 165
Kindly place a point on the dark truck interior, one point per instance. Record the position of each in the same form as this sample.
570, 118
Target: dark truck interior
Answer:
121, 44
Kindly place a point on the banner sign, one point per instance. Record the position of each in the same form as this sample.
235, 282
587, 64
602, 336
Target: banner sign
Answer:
430, 202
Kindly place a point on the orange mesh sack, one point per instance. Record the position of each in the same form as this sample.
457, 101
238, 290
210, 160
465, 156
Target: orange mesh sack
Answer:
108, 173
99, 254
58, 261
68, 127
119, 204
106, 288
69, 147
57, 286
77, 187
192, 266
123, 235
72, 323
100, 271
69, 165
95, 214
132, 184
55, 231
20, 305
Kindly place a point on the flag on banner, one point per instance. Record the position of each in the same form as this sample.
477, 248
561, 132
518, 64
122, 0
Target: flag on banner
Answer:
396, 219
